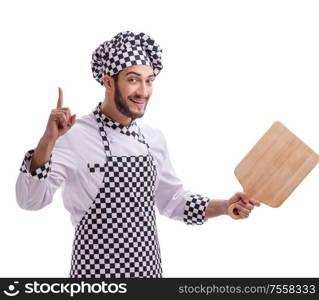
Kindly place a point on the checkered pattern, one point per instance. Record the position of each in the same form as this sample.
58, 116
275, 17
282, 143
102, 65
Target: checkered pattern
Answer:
117, 236
41, 172
131, 130
124, 50
195, 208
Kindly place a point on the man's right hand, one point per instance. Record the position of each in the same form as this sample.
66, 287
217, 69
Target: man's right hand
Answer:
60, 121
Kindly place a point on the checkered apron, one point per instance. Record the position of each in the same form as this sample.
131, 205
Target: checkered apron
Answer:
117, 236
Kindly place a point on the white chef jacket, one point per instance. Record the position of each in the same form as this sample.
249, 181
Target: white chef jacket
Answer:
82, 145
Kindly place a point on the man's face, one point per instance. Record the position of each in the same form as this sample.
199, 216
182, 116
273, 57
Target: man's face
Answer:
133, 88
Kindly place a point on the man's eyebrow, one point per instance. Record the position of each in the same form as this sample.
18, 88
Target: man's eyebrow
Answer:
138, 74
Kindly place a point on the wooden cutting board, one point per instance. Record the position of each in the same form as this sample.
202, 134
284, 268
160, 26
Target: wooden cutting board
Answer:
274, 167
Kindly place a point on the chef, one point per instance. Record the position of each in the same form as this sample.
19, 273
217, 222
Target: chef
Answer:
114, 169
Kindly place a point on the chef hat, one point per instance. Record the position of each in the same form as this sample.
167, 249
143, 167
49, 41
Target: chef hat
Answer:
124, 50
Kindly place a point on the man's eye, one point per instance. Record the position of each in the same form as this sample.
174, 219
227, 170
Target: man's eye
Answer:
132, 80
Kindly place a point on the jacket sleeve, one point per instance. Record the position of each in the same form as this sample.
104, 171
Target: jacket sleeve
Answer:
35, 190
172, 199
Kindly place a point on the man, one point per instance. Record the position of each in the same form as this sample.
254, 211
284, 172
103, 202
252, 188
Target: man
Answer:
113, 170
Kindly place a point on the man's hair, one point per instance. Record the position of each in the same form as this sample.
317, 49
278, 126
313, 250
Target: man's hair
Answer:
115, 77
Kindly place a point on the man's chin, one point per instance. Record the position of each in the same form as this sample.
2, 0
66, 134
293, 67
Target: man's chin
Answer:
137, 115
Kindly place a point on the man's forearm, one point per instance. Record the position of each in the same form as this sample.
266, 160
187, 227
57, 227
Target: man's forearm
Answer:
42, 153
216, 208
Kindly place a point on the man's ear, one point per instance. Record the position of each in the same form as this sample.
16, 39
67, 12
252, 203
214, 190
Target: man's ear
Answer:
108, 82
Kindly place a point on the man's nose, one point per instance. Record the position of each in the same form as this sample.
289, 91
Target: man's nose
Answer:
143, 90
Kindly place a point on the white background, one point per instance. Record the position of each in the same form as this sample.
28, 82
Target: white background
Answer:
231, 68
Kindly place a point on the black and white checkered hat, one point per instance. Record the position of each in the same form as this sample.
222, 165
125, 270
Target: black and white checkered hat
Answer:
124, 50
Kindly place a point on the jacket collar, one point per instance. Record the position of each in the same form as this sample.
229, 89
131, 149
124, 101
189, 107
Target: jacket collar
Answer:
131, 129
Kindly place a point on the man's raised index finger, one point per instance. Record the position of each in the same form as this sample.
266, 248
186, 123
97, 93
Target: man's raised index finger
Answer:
60, 100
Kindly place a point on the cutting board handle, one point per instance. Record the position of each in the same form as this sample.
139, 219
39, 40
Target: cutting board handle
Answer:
232, 211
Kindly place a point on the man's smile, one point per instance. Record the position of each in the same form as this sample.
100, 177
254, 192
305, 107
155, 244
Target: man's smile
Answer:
137, 102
